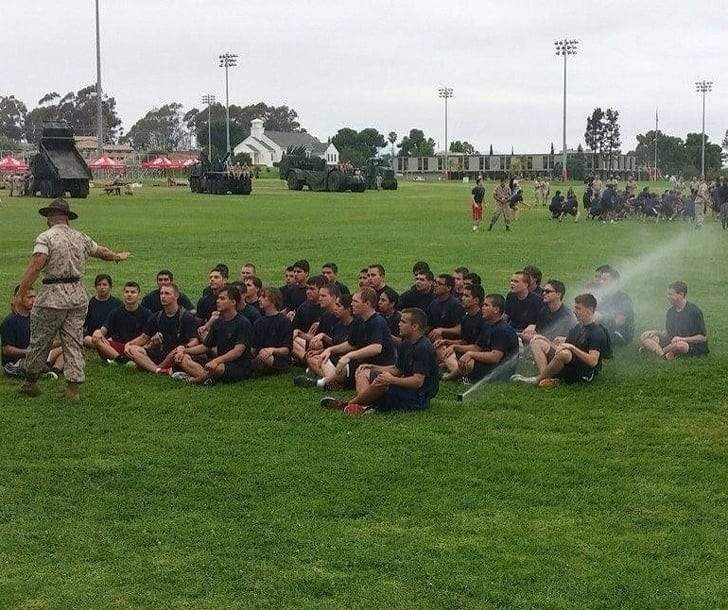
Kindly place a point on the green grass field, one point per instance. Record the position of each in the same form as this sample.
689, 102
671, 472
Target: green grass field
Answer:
151, 494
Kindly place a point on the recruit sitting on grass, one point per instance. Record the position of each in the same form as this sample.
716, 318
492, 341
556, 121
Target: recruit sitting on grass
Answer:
579, 358
684, 334
153, 350
227, 345
370, 342
123, 324
408, 384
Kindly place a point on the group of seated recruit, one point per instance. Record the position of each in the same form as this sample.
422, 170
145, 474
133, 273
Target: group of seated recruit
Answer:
392, 350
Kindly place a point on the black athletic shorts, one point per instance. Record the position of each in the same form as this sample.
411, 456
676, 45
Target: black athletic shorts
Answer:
694, 349
574, 372
235, 372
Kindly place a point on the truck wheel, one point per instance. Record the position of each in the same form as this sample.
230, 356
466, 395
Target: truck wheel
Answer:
294, 184
335, 181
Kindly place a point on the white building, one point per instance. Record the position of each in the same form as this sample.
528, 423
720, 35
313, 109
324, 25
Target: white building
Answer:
267, 147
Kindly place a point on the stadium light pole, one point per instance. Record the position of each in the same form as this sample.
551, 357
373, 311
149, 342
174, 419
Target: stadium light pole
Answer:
703, 86
99, 116
565, 47
227, 60
445, 93
209, 100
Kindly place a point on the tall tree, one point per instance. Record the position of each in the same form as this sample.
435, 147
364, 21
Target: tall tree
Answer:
463, 147
724, 143
356, 147
392, 137
714, 155
612, 136
12, 117
490, 150
416, 145
594, 135
78, 110
160, 128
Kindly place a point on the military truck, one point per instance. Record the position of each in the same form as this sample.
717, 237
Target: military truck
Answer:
217, 178
376, 169
298, 171
58, 168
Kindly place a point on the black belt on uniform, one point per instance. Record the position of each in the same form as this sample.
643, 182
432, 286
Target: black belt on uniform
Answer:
61, 280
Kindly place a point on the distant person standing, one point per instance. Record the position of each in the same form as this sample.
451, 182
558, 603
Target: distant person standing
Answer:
476, 207
702, 202
502, 196
59, 255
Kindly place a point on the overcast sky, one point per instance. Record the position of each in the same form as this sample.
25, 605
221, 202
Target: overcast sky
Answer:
378, 63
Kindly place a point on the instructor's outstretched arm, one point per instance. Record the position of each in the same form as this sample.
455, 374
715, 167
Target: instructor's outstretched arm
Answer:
106, 254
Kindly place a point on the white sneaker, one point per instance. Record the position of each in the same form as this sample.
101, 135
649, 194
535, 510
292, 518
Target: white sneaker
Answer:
50, 375
180, 376
523, 379
475, 227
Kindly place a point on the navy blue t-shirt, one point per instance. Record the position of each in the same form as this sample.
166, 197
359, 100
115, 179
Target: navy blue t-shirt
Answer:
342, 332
15, 331
470, 327
420, 357
97, 313
327, 323
307, 313
446, 313
226, 334
251, 312
522, 312
413, 298
497, 336
371, 331
206, 305
124, 325
588, 337
152, 303
293, 296
393, 322
176, 330
272, 331
555, 323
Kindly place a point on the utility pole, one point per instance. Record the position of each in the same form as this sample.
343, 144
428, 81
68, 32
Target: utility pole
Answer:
703, 86
99, 107
227, 60
565, 47
209, 100
445, 93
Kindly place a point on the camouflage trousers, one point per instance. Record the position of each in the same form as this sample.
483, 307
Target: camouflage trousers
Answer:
45, 324
699, 212
503, 209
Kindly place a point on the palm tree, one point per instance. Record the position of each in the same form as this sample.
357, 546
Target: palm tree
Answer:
392, 137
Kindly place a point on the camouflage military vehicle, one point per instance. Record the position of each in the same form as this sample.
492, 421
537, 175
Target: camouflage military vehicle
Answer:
375, 169
58, 168
216, 178
298, 171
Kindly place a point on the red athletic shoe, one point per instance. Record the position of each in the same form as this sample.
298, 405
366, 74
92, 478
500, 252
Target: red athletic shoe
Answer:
354, 409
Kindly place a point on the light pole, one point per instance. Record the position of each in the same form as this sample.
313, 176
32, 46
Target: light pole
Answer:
565, 47
209, 100
99, 116
703, 86
445, 93
227, 60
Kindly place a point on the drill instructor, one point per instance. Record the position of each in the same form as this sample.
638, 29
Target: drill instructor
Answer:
59, 256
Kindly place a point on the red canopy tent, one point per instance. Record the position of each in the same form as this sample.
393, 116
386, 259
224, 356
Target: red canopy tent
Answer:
190, 162
11, 165
107, 163
161, 163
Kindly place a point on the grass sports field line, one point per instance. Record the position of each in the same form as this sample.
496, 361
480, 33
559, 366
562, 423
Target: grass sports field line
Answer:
150, 494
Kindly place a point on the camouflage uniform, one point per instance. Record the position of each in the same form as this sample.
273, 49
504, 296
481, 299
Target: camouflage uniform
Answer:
702, 202
60, 307
502, 196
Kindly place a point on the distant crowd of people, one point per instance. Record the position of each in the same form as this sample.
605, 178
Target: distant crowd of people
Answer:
603, 200
392, 350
